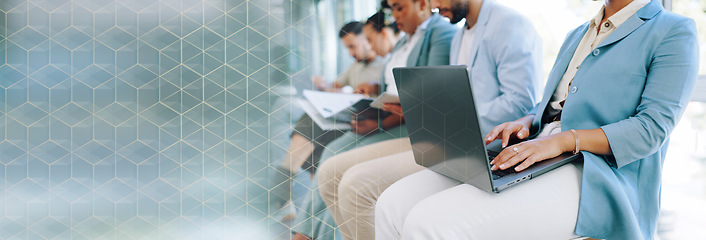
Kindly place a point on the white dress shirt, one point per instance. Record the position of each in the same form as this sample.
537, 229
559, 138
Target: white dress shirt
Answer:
466, 43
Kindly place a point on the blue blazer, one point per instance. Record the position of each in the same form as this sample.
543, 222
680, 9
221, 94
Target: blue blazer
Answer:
505, 64
433, 49
635, 86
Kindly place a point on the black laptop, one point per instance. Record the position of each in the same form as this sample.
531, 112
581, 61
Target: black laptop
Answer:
444, 129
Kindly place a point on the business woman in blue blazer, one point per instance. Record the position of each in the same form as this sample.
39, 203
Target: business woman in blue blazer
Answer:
622, 103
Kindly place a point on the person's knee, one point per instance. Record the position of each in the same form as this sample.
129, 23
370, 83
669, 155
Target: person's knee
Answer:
327, 175
419, 221
327, 172
385, 204
431, 220
358, 184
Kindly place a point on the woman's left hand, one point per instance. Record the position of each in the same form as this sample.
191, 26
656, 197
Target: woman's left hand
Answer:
533, 151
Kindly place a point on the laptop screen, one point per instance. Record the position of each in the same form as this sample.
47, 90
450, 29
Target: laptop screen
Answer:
442, 122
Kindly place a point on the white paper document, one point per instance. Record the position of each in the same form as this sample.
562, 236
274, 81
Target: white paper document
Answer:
329, 104
386, 97
334, 110
323, 123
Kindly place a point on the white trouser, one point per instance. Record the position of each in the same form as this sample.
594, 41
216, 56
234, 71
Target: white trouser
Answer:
351, 182
427, 205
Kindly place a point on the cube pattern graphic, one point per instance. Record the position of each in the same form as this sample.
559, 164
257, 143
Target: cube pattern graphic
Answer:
144, 119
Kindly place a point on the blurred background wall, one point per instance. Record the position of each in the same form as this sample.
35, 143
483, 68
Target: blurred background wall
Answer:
153, 119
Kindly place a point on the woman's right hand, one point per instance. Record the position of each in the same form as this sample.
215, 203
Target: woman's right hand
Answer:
519, 128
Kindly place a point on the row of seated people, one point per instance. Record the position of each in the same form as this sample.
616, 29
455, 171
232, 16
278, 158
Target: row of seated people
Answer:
624, 79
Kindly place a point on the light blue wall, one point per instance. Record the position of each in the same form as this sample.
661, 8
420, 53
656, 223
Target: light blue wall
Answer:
145, 119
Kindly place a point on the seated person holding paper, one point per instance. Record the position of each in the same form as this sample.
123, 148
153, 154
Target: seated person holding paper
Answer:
308, 140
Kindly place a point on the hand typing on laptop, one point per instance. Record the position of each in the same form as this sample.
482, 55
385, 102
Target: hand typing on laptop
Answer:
545, 146
519, 129
528, 152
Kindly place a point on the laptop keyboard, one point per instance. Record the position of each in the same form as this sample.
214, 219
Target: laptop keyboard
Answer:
499, 173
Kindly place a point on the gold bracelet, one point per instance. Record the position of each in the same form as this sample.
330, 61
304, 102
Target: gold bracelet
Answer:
576, 137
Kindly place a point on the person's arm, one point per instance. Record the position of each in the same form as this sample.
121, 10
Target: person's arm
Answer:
519, 129
394, 108
671, 77
345, 78
440, 45
368, 89
539, 149
517, 53
536, 150
342, 80
322, 85
367, 126
337, 85
392, 120
319, 82
668, 87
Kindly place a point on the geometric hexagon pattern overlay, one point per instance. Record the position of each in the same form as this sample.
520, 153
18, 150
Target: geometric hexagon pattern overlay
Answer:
144, 119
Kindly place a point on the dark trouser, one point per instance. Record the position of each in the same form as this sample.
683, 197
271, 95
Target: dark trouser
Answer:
281, 179
306, 127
